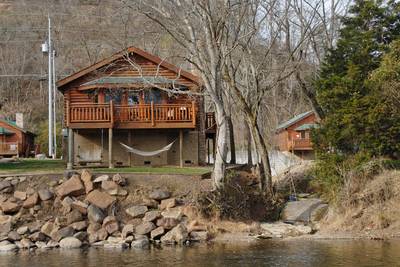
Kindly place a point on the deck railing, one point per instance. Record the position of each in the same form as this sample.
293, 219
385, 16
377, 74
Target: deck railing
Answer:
9, 148
302, 143
141, 113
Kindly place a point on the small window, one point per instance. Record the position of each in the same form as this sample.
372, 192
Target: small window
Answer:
152, 95
303, 134
147, 162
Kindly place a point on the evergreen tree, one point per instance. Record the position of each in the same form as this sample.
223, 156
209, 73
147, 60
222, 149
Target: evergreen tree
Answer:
357, 117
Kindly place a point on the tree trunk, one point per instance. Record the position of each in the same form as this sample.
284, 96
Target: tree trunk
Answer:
265, 167
249, 141
218, 174
231, 141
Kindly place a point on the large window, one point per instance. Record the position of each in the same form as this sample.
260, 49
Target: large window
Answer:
152, 95
115, 96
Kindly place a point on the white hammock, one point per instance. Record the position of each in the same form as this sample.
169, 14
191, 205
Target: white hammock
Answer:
147, 153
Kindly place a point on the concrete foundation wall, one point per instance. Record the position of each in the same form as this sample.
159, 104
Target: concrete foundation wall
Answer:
92, 145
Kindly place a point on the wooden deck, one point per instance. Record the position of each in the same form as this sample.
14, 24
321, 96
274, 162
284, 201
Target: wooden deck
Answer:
141, 116
301, 144
9, 149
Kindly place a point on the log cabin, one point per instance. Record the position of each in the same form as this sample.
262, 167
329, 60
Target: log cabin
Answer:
15, 140
134, 101
293, 135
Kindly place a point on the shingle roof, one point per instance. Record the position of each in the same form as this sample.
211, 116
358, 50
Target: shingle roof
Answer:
14, 124
293, 120
5, 131
306, 126
126, 80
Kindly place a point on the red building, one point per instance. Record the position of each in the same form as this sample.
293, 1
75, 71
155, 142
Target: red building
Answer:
14, 140
294, 135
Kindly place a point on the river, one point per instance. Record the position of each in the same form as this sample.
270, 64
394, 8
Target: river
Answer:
261, 253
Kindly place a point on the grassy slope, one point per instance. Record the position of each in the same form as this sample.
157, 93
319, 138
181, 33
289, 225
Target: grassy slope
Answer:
57, 166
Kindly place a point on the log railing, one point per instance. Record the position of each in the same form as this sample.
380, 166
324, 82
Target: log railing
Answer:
142, 113
89, 113
302, 143
9, 148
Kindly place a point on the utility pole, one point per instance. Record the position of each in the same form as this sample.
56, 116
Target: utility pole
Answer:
54, 105
50, 76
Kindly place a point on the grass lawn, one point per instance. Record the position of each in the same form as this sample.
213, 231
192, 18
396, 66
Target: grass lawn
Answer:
34, 166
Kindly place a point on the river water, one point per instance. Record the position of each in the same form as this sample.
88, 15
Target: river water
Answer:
261, 253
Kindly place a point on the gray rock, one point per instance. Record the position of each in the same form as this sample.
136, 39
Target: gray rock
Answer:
45, 194
127, 230
110, 224
159, 194
178, 235
4, 185
101, 178
136, 211
22, 230
70, 242
63, 233
144, 228
151, 215
140, 243
300, 211
95, 214
37, 236
6, 246
118, 179
74, 216
82, 236
156, 233
174, 213
199, 236
13, 236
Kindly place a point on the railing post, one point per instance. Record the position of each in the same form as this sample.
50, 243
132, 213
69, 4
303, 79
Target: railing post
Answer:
112, 113
194, 114
152, 113
68, 114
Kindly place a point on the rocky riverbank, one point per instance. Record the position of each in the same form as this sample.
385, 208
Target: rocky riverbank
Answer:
91, 211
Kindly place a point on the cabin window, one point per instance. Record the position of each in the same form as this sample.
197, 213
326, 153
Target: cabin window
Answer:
133, 98
115, 96
303, 134
153, 95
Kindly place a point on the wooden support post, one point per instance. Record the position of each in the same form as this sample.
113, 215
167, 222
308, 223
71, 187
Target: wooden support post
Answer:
214, 146
208, 150
181, 148
110, 148
130, 143
152, 113
194, 113
70, 163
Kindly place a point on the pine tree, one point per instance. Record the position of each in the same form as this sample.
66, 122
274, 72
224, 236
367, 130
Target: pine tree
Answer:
357, 118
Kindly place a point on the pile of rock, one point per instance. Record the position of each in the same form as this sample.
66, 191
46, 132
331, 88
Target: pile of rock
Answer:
90, 211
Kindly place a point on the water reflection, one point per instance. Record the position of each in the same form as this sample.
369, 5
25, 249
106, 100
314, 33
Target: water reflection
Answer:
263, 253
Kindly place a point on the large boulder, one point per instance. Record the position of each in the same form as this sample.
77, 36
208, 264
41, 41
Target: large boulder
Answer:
7, 246
136, 211
45, 194
300, 211
174, 213
178, 235
4, 185
110, 224
159, 194
167, 223
144, 228
63, 233
100, 199
101, 178
157, 233
108, 185
127, 230
9, 207
70, 242
31, 201
48, 228
86, 178
21, 195
151, 215
167, 203
71, 187
95, 214
74, 216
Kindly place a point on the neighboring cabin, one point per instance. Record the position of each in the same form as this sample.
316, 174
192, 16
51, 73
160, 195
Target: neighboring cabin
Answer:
294, 135
15, 140
118, 100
